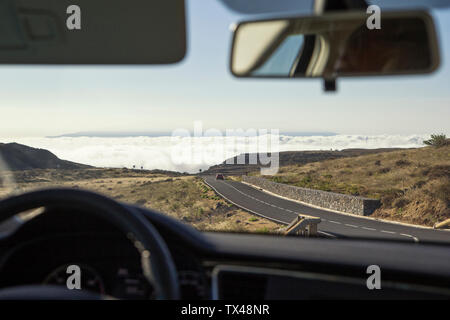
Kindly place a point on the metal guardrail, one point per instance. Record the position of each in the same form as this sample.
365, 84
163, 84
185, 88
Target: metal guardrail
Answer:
303, 225
443, 224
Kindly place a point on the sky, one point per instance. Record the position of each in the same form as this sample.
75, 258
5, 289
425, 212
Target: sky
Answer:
40, 101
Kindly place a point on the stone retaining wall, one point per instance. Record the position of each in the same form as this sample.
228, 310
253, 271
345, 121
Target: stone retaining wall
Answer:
327, 200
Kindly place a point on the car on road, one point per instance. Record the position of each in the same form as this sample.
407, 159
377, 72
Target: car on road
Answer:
220, 176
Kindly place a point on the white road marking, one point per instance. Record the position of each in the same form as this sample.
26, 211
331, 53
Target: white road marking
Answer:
336, 222
242, 207
346, 213
327, 234
410, 236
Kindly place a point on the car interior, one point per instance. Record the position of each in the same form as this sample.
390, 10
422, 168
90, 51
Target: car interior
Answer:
115, 239
127, 251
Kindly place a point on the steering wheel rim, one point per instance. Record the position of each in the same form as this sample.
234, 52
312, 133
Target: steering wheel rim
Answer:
160, 270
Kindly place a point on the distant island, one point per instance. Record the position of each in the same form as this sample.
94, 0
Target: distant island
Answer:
129, 134
111, 134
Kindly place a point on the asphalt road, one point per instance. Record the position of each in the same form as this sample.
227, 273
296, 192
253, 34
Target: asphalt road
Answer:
333, 224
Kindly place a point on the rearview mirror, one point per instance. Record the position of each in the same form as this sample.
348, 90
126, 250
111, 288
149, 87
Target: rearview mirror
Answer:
92, 31
335, 45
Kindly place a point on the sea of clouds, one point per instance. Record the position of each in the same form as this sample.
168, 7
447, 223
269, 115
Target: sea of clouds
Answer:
158, 152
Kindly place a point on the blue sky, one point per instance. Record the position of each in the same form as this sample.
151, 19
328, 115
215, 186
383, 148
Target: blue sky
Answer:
40, 101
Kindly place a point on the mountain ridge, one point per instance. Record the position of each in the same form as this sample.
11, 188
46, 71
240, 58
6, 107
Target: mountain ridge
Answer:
21, 157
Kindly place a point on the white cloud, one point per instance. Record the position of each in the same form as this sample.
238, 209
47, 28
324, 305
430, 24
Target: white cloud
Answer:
156, 152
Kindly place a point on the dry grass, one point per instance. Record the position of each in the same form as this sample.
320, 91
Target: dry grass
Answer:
234, 178
185, 198
413, 185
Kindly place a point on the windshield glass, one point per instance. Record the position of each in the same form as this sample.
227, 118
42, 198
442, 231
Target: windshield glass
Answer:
220, 153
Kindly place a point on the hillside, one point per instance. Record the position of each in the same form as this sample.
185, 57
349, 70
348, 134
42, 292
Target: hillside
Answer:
291, 158
20, 157
413, 185
183, 197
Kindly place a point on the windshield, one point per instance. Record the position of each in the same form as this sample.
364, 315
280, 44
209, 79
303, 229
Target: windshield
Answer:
220, 153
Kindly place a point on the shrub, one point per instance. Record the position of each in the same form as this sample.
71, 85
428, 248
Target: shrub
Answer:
443, 193
278, 179
305, 182
401, 202
352, 189
188, 204
419, 184
437, 140
439, 171
402, 163
324, 185
262, 230
384, 170
389, 195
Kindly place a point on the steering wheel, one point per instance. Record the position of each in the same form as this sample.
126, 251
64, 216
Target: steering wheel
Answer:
160, 270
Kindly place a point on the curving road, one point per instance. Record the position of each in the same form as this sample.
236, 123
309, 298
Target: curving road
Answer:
333, 224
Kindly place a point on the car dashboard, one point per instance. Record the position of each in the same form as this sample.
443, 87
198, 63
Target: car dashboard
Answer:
218, 265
